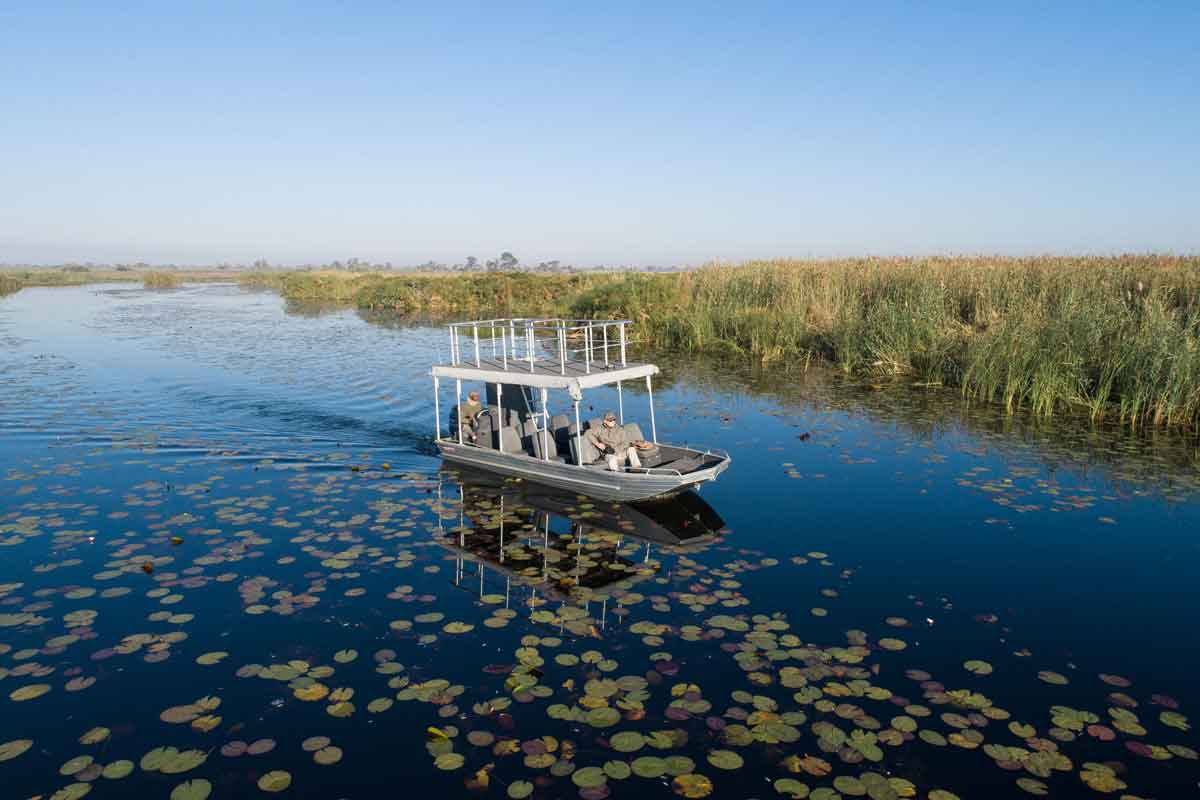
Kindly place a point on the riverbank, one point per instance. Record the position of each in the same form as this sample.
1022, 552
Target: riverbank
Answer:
1114, 335
13, 280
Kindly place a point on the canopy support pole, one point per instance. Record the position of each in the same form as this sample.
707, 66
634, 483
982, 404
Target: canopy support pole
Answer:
578, 437
500, 414
653, 429
458, 400
620, 404
545, 424
437, 413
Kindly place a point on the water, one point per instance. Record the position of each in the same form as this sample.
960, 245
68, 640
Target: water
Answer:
223, 530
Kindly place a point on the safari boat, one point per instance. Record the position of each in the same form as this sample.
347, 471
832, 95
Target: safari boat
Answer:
519, 363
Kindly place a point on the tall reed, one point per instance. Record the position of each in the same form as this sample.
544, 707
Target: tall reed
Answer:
160, 280
1111, 335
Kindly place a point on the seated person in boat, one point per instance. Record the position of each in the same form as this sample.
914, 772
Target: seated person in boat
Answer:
611, 440
468, 416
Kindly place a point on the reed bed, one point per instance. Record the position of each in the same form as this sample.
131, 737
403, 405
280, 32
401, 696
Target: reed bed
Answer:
161, 280
1110, 335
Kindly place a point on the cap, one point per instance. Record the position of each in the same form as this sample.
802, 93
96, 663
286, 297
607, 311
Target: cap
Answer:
610, 415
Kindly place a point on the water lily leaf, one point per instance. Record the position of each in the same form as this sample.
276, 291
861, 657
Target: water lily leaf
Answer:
450, 761
75, 765
603, 717
95, 736
725, 759
1033, 786
345, 656
311, 693
589, 777
275, 781
29, 692
518, 790
617, 770
692, 785
208, 659
649, 767
627, 741
978, 667
195, 789
1053, 678
73, 791
153, 760
183, 761
10, 750
342, 709
117, 770
790, 787
328, 755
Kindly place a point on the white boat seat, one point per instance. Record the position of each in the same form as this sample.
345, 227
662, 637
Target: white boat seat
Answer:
511, 440
559, 422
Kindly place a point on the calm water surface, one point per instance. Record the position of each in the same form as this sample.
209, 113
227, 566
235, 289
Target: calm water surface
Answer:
231, 565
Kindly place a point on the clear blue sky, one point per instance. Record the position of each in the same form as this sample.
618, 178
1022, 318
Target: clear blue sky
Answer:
631, 133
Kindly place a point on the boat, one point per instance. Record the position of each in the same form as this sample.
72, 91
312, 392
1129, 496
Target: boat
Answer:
519, 362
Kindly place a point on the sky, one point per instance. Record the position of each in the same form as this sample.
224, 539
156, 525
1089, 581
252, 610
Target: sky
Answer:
607, 133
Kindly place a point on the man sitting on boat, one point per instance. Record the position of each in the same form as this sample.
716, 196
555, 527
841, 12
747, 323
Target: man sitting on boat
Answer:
611, 440
468, 416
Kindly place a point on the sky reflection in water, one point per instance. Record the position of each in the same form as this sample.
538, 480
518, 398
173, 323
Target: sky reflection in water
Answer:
223, 531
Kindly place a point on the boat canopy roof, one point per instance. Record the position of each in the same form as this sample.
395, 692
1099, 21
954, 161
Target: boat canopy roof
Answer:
544, 377
545, 353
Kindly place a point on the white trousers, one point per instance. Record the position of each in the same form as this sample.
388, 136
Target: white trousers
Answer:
615, 460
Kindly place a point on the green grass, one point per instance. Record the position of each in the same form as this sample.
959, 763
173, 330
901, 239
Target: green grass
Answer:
1113, 336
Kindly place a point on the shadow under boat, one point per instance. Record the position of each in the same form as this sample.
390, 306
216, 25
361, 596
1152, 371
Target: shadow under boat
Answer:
542, 537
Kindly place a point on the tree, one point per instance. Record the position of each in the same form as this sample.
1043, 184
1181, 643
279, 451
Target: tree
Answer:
508, 261
472, 262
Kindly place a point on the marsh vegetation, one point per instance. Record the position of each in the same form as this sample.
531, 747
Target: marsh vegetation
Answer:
1114, 337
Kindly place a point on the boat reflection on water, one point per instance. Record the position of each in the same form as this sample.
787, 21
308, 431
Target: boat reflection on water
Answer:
544, 545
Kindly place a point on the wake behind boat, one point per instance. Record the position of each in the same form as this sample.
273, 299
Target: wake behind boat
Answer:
519, 362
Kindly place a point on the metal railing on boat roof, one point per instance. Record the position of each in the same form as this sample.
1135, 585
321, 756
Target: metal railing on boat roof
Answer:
525, 343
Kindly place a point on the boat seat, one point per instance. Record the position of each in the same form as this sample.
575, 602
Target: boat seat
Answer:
511, 440
484, 434
535, 441
590, 454
633, 432
560, 426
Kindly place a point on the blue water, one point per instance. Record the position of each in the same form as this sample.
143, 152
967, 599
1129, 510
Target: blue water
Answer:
258, 435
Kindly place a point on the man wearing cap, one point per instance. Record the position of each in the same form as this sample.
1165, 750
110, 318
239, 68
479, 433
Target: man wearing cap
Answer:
610, 440
468, 416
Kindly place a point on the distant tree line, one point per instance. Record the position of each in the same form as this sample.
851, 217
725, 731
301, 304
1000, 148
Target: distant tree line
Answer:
505, 262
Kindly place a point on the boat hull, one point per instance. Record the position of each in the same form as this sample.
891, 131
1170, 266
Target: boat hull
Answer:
601, 484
